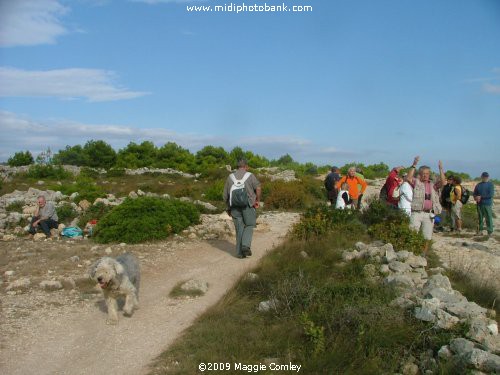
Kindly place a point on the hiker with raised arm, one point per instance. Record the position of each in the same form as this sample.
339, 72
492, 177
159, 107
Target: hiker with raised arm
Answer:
425, 203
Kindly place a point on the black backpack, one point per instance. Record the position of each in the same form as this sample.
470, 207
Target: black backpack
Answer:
465, 195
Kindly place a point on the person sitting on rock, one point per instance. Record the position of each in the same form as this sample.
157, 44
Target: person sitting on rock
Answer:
45, 217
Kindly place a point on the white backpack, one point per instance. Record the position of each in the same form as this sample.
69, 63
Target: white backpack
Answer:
238, 196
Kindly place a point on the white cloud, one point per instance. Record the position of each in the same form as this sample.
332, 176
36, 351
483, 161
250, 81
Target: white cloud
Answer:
22, 133
492, 89
30, 22
93, 84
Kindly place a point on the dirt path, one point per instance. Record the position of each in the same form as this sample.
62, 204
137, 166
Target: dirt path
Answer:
79, 342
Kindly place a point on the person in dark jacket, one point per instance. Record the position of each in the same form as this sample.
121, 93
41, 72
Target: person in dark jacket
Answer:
483, 195
330, 185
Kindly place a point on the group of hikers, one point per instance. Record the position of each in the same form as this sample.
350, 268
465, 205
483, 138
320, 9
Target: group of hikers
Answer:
425, 201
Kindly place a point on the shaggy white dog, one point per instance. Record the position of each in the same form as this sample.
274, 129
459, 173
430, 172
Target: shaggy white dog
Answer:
118, 277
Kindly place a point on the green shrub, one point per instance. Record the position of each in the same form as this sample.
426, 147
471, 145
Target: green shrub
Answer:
66, 213
399, 235
469, 217
319, 220
16, 206
86, 188
95, 212
21, 158
215, 191
379, 212
285, 195
89, 173
48, 171
145, 219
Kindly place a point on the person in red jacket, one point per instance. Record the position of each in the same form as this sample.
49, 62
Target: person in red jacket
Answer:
391, 183
353, 181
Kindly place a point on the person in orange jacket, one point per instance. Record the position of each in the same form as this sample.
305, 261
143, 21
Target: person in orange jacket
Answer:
353, 181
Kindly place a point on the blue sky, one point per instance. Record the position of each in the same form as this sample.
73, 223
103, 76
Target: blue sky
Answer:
364, 81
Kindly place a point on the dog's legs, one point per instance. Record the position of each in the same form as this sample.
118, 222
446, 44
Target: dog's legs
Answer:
112, 309
131, 302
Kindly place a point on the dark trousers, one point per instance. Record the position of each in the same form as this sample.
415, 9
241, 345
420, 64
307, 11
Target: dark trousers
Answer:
45, 225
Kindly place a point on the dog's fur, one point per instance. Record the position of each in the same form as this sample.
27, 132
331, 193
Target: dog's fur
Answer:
118, 277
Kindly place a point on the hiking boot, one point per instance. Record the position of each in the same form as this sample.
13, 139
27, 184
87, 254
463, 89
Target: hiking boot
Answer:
241, 256
246, 251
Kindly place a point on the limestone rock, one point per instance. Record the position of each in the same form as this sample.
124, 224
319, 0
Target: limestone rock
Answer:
399, 267
403, 255
445, 320
39, 237
437, 281
265, 306
415, 261
461, 346
423, 313
250, 276
195, 285
399, 281
445, 352
50, 285
21, 284
84, 204
464, 309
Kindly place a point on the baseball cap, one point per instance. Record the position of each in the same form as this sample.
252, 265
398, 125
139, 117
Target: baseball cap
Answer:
485, 174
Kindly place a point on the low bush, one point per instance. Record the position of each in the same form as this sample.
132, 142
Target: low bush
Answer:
320, 220
469, 217
89, 173
399, 235
86, 188
66, 213
48, 171
379, 212
215, 191
145, 219
285, 195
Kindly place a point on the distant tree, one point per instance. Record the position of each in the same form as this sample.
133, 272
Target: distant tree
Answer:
21, 158
211, 156
171, 155
71, 155
254, 161
236, 154
137, 156
284, 160
463, 176
99, 154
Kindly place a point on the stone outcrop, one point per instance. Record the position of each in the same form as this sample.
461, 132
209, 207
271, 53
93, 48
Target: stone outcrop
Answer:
432, 299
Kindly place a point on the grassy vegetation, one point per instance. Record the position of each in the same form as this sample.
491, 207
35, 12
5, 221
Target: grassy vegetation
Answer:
145, 219
16, 206
178, 292
329, 318
483, 294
